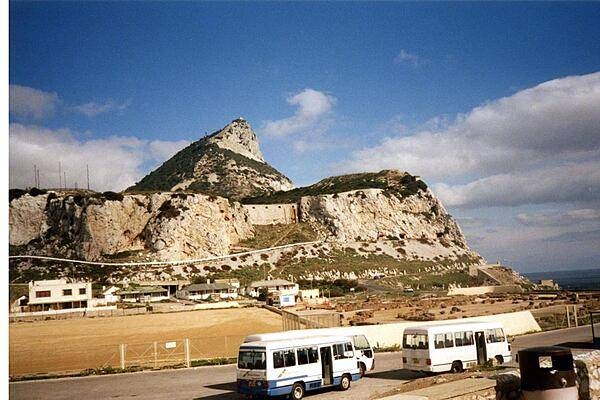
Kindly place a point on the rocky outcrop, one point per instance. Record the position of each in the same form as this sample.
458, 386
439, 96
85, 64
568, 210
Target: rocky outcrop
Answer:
26, 220
164, 225
227, 163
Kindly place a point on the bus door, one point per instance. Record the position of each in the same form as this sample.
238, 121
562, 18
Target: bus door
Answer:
481, 348
326, 365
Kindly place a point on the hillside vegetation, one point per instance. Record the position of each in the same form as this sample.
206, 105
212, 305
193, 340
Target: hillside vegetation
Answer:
400, 184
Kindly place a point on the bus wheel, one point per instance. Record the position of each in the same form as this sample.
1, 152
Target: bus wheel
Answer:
297, 391
363, 369
499, 360
456, 367
345, 382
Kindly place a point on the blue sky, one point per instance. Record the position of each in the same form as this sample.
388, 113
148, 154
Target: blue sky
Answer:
496, 106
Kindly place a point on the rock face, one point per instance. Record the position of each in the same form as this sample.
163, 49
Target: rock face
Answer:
374, 214
227, 163
165, 226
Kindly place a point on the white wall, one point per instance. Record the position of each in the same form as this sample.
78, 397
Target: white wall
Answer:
387, 335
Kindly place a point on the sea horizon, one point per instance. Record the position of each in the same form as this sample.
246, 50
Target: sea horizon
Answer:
579, 279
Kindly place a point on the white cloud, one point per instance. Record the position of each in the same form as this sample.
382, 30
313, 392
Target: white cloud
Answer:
559, 218
93, 109
313, 107
539, 145
114, 162
29, 102
405, 57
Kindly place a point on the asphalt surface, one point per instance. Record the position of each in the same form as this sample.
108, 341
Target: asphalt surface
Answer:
205, 383
218, 382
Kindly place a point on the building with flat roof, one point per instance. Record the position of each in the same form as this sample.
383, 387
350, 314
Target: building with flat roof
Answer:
272, 285
144, 294
58, 294
205, 291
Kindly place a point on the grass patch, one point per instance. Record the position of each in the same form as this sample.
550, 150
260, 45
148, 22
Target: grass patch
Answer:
399, 184
267, 235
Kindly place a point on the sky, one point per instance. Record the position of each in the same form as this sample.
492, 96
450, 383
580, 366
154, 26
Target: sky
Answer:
495, 105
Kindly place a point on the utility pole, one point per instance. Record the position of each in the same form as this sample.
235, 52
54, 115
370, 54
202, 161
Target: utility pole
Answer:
59, 176
87, 169
35, 184
65, 180
38, 177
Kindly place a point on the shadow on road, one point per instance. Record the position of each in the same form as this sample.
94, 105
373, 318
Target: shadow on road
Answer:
396, 374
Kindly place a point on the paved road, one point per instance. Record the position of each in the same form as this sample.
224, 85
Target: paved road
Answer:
219, 382
197, 383
576, 338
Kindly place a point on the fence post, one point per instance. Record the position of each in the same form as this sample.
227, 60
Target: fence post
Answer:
155, 354
122, 353
186, 346
575, 315
568, 318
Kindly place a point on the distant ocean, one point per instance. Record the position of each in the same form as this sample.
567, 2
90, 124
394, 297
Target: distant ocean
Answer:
571, 280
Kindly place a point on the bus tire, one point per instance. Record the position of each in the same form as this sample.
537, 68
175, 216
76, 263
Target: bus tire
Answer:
499, 359
363, 369
345, 382
457, 367
297, 391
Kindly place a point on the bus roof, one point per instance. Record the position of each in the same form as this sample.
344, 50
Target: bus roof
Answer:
287, 343
452, 327
303, 333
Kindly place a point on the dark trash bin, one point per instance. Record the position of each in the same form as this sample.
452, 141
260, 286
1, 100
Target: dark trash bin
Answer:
547, 373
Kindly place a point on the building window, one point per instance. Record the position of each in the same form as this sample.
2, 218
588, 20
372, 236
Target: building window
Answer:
82, 290
42, 293
67, 292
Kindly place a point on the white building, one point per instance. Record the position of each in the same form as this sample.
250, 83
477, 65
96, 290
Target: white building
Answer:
205, 291
273, 285
144, 294
59, 294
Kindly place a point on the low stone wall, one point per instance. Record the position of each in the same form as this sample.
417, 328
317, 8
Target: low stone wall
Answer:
477, 290
390, 335
587, 367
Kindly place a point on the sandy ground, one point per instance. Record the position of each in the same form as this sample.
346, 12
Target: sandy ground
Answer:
75, 345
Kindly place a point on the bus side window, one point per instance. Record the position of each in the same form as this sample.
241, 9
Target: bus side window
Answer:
289, 358
313, 355
439, 341
302, 356
448, 342
278, 359
348, 350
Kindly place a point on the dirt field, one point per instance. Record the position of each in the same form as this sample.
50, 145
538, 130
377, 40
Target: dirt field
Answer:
75, 345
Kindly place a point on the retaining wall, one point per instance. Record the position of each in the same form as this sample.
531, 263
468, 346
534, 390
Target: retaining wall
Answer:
389, 335
272, 214
477, 290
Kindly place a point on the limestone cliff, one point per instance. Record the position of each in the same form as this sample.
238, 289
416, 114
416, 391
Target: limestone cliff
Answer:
227, 163
164, 226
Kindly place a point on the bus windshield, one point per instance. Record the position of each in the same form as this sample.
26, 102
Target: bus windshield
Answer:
415, 341
252, 360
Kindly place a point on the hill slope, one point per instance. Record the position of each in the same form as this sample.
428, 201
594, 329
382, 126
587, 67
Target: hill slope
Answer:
227, 163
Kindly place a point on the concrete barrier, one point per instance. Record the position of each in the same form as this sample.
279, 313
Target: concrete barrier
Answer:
390, 335
477, 290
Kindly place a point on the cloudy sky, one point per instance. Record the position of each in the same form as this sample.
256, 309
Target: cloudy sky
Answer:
496, 106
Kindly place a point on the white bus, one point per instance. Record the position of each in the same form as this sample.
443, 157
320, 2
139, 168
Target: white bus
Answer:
453, 347
294, 366
363, 350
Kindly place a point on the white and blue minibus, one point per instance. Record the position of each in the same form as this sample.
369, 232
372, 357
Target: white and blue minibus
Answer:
454, 346
362, 348
295, 366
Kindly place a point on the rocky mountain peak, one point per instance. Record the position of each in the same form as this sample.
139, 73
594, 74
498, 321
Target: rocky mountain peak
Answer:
227, 163
238, 137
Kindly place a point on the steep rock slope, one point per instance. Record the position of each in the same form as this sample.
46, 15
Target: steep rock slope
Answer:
164, 226
227, 163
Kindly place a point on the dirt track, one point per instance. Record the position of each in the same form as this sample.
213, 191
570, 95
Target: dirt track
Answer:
75, 345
